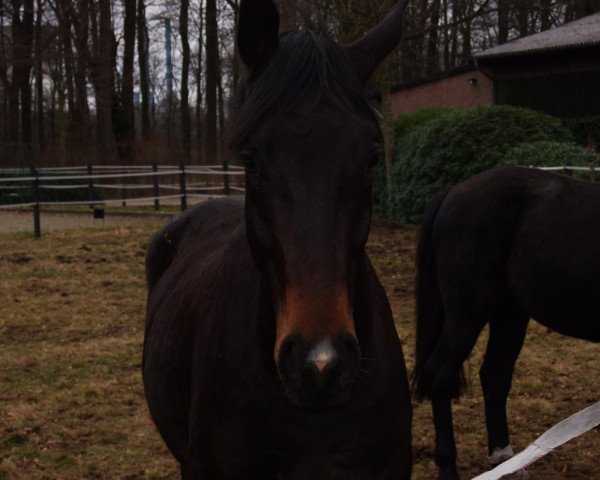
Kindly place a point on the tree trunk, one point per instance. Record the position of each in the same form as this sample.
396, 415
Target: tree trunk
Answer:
143, 43
456, 13
81, 113
66, 17
466, 31
39, 79
126, 151
433, 39
384, 84
446, 45
169, 62
387, 128
25, 86
545, 22
522, 10
199, 122
212, 71
22, 37
503, 15
186, 134
221, 117
104, 82
235, 66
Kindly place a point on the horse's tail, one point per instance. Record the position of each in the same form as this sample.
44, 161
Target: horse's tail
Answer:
430, 310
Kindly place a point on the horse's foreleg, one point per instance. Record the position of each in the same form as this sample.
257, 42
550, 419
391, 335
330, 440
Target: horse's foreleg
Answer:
505, 342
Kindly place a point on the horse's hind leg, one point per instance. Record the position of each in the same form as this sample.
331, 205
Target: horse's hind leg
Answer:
461, 330
507, 333
445, 445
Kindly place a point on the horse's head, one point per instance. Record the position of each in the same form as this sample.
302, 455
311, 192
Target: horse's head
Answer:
308, 140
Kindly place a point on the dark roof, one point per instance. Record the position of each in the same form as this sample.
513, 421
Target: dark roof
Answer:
579, 33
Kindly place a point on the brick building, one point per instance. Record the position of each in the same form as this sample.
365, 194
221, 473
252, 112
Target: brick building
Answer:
556, 71
461, 88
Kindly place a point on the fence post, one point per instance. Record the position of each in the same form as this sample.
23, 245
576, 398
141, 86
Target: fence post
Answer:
226, 177
155, 184
35, 191
182, 188
90, 184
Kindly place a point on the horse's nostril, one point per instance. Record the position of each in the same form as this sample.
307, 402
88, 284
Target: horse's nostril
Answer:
319, 373
286, 351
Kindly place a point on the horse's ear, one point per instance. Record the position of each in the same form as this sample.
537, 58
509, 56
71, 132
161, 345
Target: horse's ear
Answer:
258, 32
368, 52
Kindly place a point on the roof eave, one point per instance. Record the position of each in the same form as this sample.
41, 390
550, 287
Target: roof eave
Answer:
519, 53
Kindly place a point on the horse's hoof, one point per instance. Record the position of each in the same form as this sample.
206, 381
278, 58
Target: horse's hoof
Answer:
520, 475
501, 455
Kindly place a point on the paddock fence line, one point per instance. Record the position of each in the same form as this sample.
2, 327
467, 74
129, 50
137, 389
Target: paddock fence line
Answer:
123, 185
592, 170
113, 185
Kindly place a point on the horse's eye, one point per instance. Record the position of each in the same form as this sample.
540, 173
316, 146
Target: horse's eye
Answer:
248, 161
376, 156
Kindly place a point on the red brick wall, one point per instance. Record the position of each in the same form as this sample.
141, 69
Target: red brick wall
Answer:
453, 91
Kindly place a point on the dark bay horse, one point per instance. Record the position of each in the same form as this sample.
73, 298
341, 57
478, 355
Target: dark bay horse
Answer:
270, 351
505, 246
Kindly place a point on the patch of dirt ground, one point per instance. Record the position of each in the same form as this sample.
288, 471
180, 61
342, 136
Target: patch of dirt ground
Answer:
72, 405
22, 221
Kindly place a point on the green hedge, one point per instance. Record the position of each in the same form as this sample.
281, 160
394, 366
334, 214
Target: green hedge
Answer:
22, 192
448, 149
407, 122
403, 125
551, 154
586, 131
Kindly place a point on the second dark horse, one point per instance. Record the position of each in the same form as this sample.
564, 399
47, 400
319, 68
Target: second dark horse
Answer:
505, 246
270, 351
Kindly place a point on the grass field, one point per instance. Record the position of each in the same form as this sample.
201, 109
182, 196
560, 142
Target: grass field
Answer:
71, 399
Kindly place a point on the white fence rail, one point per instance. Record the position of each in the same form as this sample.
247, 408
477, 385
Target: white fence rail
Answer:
120, 185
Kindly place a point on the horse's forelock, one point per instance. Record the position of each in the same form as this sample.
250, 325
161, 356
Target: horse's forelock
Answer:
307, 69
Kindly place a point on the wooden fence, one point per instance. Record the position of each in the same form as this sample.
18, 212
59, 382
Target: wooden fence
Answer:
137, 185
99, 186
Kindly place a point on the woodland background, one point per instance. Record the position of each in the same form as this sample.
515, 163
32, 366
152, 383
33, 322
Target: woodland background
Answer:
148, 81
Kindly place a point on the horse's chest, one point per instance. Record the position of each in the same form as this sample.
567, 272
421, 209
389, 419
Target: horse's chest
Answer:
276, 445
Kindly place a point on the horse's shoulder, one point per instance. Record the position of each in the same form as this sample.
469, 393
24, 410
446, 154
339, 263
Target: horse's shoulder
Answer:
203, 228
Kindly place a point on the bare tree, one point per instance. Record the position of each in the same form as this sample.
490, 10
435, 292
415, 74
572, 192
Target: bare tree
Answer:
102, 72
186, 132
142, 35
127, 133
199, 90
212, 72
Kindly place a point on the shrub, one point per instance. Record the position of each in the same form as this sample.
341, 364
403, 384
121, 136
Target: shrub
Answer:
22, 192
407, 122
455, 146
553, 154
586, 131
403, 124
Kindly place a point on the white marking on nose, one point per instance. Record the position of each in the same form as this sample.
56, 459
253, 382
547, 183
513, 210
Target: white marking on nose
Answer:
322, 354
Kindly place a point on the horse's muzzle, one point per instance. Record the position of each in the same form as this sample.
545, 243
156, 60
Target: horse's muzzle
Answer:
320, 374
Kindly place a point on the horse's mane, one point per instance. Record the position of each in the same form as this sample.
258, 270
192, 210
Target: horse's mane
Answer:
307, 67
